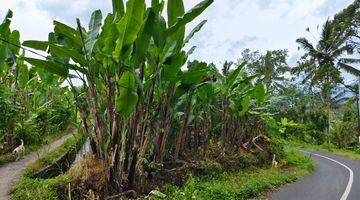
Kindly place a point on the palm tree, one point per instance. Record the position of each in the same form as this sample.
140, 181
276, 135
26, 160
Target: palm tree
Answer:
272, 66
348, 22
321, 65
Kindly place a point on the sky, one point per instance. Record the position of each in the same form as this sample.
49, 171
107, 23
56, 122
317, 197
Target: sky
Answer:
233, 25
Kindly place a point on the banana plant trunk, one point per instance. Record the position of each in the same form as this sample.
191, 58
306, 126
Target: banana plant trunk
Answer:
225, 121
181, 136
166, 124
358, 110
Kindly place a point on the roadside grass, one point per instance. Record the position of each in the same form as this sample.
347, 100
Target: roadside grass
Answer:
39, 189
35, 147
6, 159
350, 153
242, 184
68, 146
43, 189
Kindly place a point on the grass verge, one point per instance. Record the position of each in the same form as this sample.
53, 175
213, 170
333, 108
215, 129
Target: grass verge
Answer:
351, 153
242, 184
69, 145
41, 189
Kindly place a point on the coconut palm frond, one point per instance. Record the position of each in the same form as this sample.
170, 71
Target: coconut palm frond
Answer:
306, 45
349, 69
350, 60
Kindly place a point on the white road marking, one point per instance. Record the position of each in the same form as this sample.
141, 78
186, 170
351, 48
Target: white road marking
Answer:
351, 177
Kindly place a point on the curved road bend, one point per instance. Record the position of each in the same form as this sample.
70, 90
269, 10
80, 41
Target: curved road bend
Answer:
335, 178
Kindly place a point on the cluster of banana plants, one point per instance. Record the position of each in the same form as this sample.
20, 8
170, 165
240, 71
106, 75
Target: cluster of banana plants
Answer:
32, 102
137, 102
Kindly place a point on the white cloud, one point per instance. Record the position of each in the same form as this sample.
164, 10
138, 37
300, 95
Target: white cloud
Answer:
32, 22
275, 24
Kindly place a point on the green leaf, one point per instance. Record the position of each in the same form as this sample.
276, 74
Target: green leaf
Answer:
245, 104
197, 72
2, 54
154, 3
108, 34
69, 32
159, 31
206, 92
175, 9
170, 72
5, 26
8, 15
127, 99
259, 92
190, 51
50, 66
157, 6
121, 26
168, 51
189, 16
94, 28
142, 43
23, 75
64, 52
22, 71
129, 25
15, 39
118, 7
135, 11
230, 80
38, 45
195, 30
349, 69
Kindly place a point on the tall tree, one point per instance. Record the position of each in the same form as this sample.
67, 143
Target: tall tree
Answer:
272, 66
322, 63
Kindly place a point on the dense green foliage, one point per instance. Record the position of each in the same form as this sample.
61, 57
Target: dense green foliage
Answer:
241, 184
321, 106
137, 104
143, 106
33, 104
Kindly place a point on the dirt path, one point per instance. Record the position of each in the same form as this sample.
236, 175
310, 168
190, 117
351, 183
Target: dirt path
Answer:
10, 172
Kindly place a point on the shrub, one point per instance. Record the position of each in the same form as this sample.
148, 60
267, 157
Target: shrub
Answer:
36, 189
316, 137
343, 134
210, 166
28, 130
241, 184
277, 145
316, 119
295, 159
60, 116
291, 129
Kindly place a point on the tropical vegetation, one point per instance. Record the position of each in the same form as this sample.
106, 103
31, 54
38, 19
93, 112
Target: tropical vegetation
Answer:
150, 116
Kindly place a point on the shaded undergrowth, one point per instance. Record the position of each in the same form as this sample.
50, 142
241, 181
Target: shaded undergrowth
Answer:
241, 184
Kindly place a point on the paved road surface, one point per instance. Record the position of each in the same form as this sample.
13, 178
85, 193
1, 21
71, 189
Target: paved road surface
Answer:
10, 172
335, 178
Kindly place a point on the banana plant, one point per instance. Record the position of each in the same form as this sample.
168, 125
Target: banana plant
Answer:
23, 90
236, 90
192, 80
121, 61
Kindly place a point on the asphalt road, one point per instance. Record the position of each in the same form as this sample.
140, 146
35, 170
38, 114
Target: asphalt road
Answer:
335, 178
